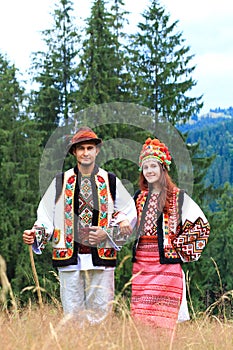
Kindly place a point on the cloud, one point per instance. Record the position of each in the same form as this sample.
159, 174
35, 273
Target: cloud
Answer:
217, 63
206, 26
199, 11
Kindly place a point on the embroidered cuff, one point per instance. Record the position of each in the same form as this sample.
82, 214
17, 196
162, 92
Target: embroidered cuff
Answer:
109, 231
118, 217
41, 238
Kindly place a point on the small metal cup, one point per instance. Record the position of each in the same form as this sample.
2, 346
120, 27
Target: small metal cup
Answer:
119, 238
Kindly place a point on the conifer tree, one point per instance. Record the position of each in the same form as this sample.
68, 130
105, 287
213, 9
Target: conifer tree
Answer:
19, 155
103, 75
119, 18
211, 276
222, 239
54, 70
102, 63
163, 74
162, 67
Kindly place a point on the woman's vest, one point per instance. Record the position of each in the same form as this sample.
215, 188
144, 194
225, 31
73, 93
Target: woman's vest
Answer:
183, 231
168, 225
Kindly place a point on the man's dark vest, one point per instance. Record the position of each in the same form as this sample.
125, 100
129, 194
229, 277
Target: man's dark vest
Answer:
97, 261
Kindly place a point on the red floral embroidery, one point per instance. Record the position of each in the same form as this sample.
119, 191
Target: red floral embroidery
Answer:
69, 252
140, 202
71, 180
100, 179
101, 251
103, 192
103, 207
68, 222
103, 222
69, 238
107, 252
68, 193
56, 233
68, 208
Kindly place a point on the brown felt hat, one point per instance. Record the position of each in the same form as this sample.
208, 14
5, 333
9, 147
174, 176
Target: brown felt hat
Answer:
84, 134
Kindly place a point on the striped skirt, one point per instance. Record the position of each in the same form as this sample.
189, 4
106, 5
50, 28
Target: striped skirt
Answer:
156, 288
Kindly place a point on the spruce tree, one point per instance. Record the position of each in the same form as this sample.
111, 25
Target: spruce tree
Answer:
101, 69
222, 240
162, 67
119, 19
103, 77
54, 70
211, 276
11, 97
19, 157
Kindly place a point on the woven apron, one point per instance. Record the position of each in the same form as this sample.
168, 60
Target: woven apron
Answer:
156, 288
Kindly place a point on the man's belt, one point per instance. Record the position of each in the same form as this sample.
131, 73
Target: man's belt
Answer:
84, 249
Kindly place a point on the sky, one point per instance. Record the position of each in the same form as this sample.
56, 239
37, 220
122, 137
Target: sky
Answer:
206, 26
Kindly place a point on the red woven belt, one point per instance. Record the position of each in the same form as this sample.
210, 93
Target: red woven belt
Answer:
148, 239
84, 249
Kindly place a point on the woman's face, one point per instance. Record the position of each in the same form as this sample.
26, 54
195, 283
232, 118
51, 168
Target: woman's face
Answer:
151, 170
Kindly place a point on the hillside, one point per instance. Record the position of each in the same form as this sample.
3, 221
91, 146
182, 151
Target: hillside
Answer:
214, 132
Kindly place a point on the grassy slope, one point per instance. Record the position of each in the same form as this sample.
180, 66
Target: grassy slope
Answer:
33, 329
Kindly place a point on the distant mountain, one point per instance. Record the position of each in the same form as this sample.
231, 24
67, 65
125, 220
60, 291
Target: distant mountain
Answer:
213, 117
214, 132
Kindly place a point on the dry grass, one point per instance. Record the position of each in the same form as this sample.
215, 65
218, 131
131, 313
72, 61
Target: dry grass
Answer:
6, 286
42, 329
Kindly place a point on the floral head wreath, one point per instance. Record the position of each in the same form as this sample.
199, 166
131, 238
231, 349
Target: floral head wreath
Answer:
155, 149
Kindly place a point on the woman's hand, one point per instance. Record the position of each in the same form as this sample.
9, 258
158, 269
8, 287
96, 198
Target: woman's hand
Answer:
125, 227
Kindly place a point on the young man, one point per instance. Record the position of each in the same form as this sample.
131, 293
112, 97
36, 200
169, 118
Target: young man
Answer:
80, 219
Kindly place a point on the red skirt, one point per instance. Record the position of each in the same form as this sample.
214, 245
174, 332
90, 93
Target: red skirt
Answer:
156, 288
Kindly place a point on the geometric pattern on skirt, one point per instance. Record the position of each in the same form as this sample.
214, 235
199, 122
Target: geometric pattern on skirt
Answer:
156, 288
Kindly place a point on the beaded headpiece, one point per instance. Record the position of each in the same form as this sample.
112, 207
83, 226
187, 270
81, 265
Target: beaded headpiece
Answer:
157, 150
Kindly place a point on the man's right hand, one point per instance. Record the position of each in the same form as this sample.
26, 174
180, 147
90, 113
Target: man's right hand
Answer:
29, 236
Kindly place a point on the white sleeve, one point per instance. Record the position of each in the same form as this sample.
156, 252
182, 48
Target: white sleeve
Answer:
124, 205
194, 235
191, 210
44, 224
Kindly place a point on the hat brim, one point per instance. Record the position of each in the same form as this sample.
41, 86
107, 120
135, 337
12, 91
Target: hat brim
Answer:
97, 141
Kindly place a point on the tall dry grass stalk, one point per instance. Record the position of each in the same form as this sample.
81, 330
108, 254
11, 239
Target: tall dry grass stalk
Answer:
38, 290
5, 287
37, 287
223, 303
48, 329
225, 300
37, 328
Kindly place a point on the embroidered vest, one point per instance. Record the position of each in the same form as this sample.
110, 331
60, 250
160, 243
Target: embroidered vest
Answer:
168, 225
65, 247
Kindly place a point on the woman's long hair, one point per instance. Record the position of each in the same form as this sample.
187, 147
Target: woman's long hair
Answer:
167, 186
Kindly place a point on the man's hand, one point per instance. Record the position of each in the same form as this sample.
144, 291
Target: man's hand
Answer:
96, 235
29, 236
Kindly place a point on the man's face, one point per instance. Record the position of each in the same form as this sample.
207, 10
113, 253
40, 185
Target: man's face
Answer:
86, 153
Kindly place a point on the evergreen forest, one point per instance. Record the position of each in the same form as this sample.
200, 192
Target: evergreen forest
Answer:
215, 136
126, 86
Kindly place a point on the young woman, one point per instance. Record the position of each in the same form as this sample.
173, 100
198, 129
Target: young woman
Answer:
172, 229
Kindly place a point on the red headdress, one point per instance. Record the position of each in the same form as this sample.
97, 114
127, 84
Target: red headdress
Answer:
157, 150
